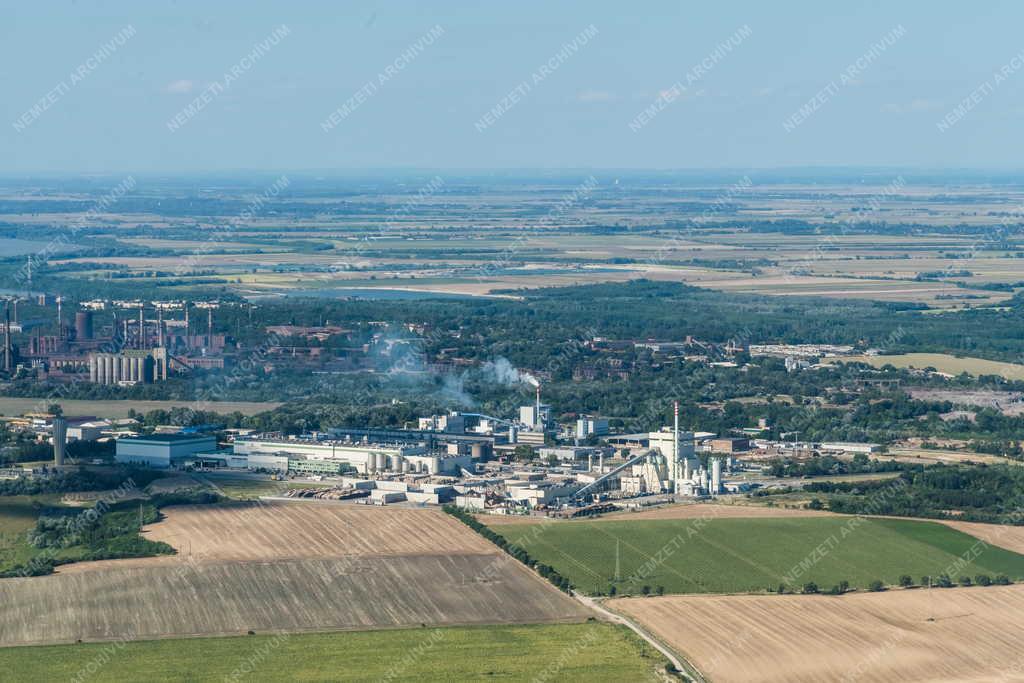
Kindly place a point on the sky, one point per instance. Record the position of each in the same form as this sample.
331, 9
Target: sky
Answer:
102, 86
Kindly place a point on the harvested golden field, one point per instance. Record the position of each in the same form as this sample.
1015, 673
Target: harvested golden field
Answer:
279, 531
941, 362
285, 567
117, 408
680, 511
959, 634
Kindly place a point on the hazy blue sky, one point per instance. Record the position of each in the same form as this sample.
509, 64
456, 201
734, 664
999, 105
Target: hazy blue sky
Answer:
115, 117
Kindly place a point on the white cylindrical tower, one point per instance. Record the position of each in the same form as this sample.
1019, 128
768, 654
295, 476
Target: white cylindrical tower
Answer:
60, 438
716, 476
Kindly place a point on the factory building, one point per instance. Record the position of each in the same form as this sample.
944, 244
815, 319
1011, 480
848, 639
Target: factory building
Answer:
364, 457
130, 365
544, 492
162, 450
591, 426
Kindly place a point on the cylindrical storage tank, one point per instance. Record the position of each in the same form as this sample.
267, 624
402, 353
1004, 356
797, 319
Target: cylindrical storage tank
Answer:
83, 325
118, 367
93, 369
716, 476
435, 465
382, 462
371, 463
406, 466
108, 369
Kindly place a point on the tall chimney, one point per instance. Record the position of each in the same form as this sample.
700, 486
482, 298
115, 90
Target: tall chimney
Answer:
209, 328
60, 317
8, 362
188, 329
160, 325
539, 421
142, 328
675, 448
60, 437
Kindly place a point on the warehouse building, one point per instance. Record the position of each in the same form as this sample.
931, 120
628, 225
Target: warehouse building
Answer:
162, 450
363, 457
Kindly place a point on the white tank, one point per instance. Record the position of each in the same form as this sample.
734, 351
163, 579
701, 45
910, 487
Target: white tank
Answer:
435, 465
716, 476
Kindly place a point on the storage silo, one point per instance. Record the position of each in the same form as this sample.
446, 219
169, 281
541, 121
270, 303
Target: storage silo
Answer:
60, 438
83, 325
716, 476
382, 461
435, 465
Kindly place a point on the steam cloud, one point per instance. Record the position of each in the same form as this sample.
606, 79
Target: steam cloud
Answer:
505, 373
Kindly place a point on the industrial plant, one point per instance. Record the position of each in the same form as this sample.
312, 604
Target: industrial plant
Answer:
111, 342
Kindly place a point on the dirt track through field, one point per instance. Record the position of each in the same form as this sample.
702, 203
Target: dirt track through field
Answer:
959, 634
285, 567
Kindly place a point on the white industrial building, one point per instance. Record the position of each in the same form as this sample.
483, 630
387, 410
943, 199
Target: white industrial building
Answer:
844, 447
161, 450
591, 426
364, 457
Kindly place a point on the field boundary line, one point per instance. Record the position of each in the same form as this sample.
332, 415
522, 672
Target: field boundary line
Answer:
683, 665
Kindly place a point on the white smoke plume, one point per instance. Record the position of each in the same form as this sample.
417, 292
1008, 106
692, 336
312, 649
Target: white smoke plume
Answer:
505, 373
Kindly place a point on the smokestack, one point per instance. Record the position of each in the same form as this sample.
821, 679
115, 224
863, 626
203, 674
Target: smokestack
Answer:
8, 363
60, 317
539, 421
142, 328
160, 325
209, 327
188, 343
675, 448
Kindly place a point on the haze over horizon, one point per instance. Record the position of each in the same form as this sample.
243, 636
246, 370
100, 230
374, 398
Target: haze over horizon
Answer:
151, 88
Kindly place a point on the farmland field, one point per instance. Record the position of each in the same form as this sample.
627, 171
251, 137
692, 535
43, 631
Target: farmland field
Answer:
751, 555
285, 567
593, 652
120, 408
942, 362
683, 511
957, 634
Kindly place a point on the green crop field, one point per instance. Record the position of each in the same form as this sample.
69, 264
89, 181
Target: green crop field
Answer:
749, 555
592, 652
